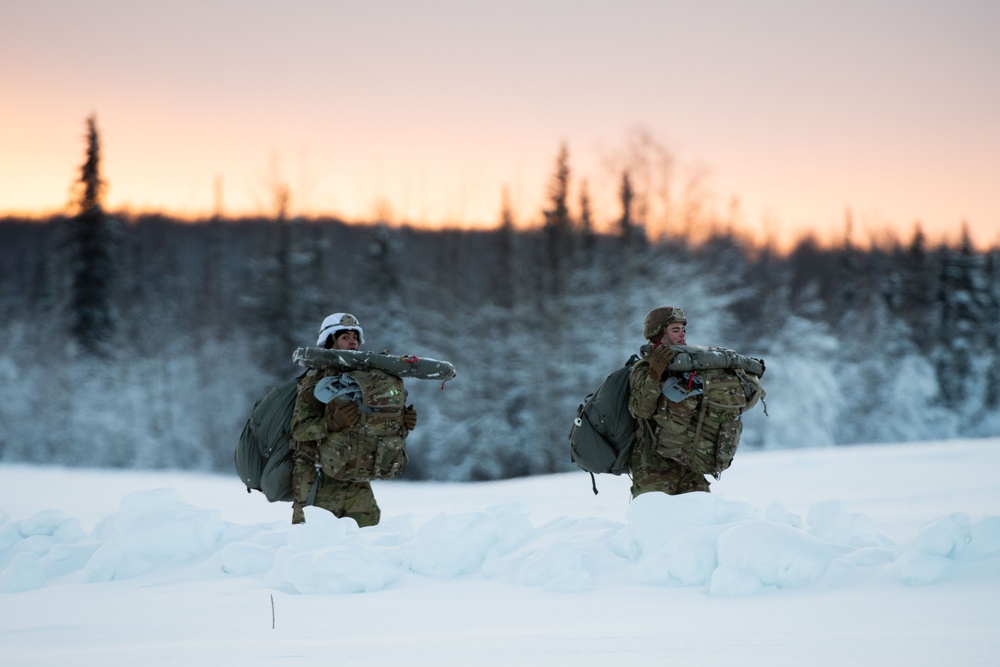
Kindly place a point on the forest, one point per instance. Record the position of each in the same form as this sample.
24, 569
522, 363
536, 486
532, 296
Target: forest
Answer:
142, 341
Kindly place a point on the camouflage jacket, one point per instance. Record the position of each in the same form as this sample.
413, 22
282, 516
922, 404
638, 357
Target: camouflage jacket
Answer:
646, 400
700, 431
383, 401
374, 448
644, 392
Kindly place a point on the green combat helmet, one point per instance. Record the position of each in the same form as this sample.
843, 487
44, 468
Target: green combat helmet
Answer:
659, 318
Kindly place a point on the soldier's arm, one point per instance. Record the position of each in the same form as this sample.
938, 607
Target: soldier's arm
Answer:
308, 421
644, 393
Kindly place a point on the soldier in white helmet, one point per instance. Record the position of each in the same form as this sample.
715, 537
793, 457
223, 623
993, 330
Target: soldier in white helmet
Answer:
341, 445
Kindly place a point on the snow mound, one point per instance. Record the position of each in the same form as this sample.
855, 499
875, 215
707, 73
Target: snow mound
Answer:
699, 540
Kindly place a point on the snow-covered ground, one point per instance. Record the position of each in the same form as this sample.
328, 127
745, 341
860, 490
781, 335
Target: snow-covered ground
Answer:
875, 555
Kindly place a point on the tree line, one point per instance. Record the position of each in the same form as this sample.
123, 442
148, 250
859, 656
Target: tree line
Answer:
143, 341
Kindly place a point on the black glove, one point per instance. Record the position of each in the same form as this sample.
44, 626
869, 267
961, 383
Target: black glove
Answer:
762, 368
659, 359
341, 414
410, 417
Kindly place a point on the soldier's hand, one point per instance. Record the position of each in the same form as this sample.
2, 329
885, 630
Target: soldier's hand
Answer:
762, 368
659, 359
341, 414
410, 417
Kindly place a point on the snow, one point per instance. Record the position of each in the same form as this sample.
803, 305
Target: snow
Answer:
868, 555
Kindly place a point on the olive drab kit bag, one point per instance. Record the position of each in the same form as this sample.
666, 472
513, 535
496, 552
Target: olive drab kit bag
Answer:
604, 430
263, 455
707, 392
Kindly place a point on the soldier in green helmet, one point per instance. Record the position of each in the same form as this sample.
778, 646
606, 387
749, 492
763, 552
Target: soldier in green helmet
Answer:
682, 436
356, 435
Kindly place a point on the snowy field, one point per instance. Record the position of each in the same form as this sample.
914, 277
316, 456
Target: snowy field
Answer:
876, 555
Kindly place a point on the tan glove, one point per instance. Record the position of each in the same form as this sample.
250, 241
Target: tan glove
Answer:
341, 414
659, 359
410, 417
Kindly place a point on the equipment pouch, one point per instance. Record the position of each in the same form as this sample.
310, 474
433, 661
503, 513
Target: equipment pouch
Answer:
723, 389
361, 457
726, 444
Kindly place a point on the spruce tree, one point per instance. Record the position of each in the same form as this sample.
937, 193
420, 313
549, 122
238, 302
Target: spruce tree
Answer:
558, 225
960, 319
587, 233
626, 225
918, 285
991, 332
505, 285
91, 312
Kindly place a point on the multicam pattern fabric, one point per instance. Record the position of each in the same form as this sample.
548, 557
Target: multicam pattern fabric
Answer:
651, 472
342, 499
374, 448
681, 442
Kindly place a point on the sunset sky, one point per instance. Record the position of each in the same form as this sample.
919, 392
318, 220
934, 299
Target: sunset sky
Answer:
425, 111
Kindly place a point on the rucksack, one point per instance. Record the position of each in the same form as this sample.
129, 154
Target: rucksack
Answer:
702, 425
602, 435
710, 389
263, 456
728, 384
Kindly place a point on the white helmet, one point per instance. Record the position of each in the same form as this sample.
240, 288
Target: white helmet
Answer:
340, 322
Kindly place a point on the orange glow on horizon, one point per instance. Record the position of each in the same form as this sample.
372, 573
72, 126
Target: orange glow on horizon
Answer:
446, 199
762, 234
425, 115
438, 193
450, 197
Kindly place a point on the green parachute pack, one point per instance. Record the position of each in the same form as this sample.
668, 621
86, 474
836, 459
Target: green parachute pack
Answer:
263, 456
604, 430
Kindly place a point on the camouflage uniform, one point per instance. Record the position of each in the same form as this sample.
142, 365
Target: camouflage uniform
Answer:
679, 441
651, 470
348, 459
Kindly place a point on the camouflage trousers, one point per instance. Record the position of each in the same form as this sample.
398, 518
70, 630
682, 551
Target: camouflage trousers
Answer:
652, 472
341, 498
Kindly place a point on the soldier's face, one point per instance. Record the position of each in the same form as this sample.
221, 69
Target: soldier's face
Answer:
675, 334
346, 340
